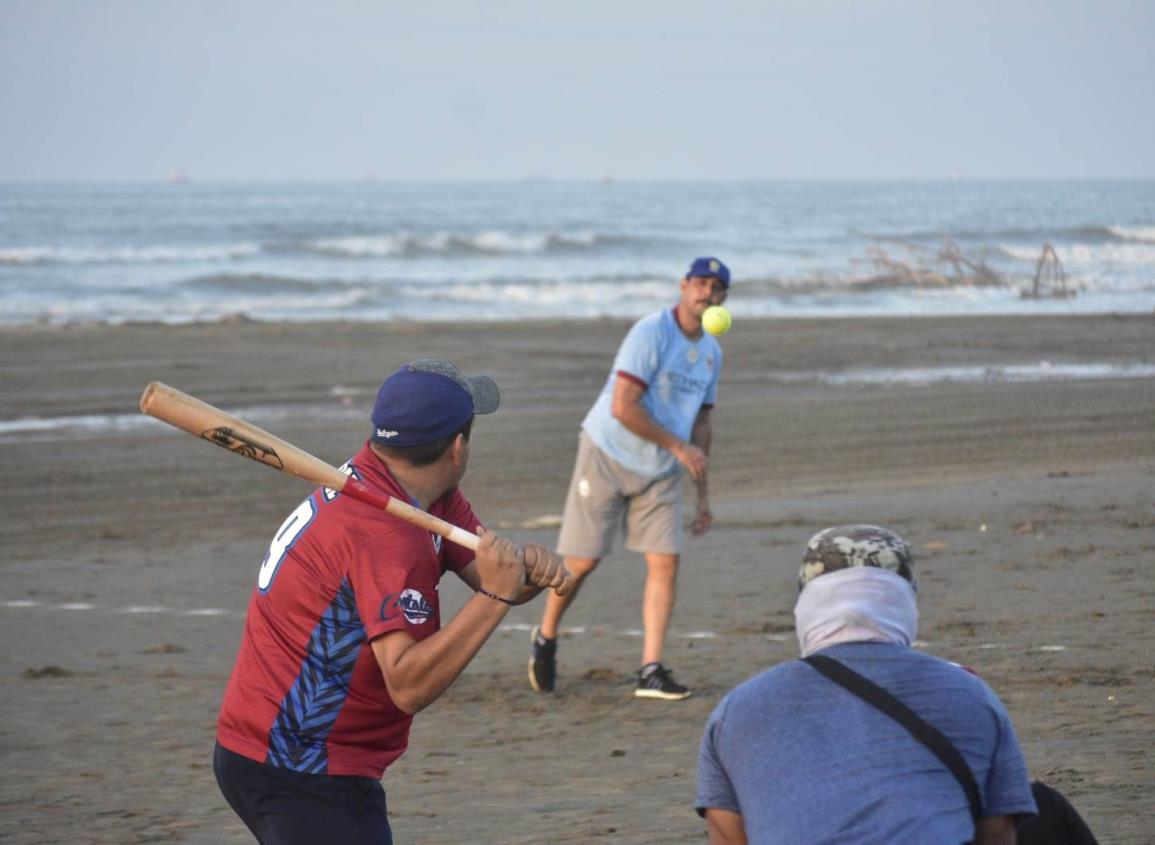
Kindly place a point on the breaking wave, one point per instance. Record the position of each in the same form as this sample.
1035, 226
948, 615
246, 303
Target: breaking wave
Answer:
491, 243
1116, 253
465, 244
1086, 234
1145, 234
160, 254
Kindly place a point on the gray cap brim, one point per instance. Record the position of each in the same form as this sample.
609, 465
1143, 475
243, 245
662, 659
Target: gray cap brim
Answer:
482, 389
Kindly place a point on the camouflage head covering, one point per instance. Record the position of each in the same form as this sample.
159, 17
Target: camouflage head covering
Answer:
846, 546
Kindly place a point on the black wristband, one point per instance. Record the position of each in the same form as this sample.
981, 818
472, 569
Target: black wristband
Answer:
496, 597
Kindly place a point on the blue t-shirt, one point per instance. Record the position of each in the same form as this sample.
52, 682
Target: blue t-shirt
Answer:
680, 374
804, 760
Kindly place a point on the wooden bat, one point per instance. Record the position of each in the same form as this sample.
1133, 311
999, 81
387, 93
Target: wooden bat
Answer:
241, 438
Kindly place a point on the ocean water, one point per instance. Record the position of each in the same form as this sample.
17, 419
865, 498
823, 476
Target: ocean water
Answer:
544, 249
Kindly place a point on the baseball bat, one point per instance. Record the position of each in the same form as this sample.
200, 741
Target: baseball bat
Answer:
242, 438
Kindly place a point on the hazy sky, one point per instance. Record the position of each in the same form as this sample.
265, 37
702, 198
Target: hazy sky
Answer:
446, 89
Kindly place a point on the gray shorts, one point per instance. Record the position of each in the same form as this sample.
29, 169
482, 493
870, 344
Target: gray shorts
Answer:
604, 495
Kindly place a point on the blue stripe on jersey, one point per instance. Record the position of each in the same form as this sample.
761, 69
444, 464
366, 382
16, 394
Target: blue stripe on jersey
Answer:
309, 710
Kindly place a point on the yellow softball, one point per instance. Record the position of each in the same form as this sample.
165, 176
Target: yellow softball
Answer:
716, 320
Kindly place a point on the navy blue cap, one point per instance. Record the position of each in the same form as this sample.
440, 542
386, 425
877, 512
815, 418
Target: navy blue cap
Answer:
710, 268
427, 400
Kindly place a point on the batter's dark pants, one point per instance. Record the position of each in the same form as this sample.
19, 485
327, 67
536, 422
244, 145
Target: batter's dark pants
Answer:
283, 807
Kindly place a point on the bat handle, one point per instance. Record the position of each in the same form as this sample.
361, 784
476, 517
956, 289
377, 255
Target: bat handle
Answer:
407, 512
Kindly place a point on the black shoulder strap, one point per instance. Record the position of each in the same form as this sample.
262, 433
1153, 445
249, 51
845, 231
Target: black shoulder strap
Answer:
924, 732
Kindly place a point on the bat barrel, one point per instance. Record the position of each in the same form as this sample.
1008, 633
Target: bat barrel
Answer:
247, 440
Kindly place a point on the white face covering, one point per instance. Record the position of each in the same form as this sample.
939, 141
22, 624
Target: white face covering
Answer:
859, 604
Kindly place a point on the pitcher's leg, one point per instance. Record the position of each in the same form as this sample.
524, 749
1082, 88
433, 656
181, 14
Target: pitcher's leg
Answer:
654, 679
555, 605
658, 604
543, 638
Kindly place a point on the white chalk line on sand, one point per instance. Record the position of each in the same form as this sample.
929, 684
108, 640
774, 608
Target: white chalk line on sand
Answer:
128, 609
512, 627
578, 630
155, 609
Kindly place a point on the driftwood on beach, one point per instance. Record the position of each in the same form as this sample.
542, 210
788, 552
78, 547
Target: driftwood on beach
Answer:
1050, 279
946, 267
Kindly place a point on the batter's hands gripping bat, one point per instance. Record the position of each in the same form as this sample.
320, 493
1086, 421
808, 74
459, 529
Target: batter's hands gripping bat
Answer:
241, 438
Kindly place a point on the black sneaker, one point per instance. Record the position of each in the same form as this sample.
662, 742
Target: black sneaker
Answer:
542, 661
654, 681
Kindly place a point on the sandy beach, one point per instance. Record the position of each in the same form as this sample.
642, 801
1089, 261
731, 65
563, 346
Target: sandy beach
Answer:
130, 551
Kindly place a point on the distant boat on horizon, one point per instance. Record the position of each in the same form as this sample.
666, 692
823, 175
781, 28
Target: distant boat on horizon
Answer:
177, 177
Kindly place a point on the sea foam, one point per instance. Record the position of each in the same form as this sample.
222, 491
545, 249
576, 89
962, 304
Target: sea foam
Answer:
160, 254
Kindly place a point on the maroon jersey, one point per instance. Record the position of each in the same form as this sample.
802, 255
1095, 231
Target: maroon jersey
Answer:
306, 692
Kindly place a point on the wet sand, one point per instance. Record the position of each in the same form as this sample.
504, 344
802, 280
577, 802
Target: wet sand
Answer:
129, 555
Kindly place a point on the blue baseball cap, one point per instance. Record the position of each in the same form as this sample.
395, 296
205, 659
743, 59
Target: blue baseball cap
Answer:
427, 400
710, 268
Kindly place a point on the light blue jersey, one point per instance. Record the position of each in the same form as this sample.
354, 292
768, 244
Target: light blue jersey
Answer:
805, 761
680, 374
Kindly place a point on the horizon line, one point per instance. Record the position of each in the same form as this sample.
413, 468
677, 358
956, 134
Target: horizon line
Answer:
189, 182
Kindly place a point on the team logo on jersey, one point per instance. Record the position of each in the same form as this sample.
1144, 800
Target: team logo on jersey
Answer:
416, 609
692, 355
436, 542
